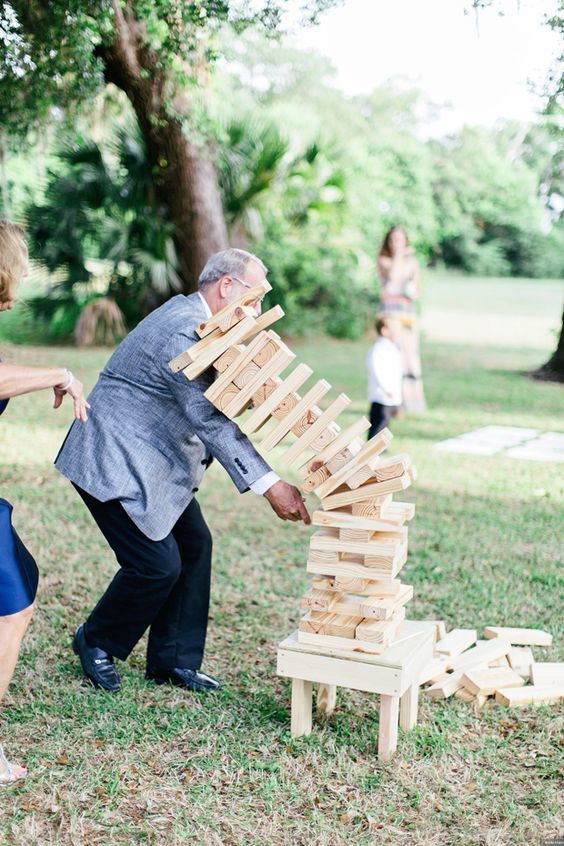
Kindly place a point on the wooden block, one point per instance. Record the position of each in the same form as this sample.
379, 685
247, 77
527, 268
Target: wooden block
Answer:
521, 659
234, 317
320, 600
384, 607
364, 587
248, 298
281, 430
456, 642
476, 657
343, 440
544, 694
547, 673
359, 478
235, 367
342, 496
352, 644
218, 347
246, 375
380, 547
440, 628
498, 663
323, 556
228, 357
228, 394
340, 460
434, 669
314, 621
372, 448
276, 365
335, 625
519, 637
465, 695
191, 354
306, 440
295, 380
313, 480
391, 467
352, 569
355, 535
263, 321
375, 507
265, 391
486, 682
380, 631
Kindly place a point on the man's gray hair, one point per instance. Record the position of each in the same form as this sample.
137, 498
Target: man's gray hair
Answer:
231, 262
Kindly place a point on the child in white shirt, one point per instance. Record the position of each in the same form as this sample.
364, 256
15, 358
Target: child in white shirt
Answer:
385, 373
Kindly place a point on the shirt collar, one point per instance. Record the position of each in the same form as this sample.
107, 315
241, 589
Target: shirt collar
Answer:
207, 309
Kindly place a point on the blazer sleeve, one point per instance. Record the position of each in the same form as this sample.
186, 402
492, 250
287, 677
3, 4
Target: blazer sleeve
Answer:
221, 436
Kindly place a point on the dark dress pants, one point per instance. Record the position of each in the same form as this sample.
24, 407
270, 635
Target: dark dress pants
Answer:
380, 416
164, 585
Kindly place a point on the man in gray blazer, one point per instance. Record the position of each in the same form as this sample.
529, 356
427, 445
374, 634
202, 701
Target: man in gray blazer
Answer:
137, 464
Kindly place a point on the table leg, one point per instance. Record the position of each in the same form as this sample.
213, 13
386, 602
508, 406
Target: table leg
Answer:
301, 707
388, 730
326, 698
408, 707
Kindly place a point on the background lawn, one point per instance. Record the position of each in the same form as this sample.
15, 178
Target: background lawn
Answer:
156, 766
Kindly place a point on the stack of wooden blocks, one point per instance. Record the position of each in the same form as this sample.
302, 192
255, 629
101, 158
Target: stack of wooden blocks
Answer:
500, 666
356, 601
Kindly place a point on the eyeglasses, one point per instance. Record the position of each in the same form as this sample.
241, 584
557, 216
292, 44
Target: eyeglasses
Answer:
246, 285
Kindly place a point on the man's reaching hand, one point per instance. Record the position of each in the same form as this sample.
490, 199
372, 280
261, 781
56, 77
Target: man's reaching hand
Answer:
287, 502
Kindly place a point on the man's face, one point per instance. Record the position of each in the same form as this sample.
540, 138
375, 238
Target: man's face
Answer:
252, 275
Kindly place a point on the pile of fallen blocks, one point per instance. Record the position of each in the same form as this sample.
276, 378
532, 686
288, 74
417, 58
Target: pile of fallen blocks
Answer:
501, 666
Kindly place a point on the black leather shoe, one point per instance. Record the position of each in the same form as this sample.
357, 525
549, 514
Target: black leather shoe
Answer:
188, 679
98, 666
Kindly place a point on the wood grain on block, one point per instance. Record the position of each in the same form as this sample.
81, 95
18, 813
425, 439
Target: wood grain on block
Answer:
340, 460
486, 682
336, 625
363, 587
314, 621
434, 669
519, 637
318, 599
307, 439
292, 382
383, 607
391, 467
520, 659
234, 317
228, 394
341, 643
379, 546
545, 694
372, 607
380, 631
224, 361
323, 556
343, 496
314, 479
247, 374
547, 673
378, 508
343, 439
266, 352
217, 348
372, 448
286, 406
352, 569
456, 642
465, 695
355, 534
263, 321
326, 698
235, 367
248, 298
276, 365
360, 477
281, 430
265, 391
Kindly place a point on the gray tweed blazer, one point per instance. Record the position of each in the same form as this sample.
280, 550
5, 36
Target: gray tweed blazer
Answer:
151, 433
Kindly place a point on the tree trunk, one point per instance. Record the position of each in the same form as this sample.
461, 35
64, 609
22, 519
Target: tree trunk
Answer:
553, 370
186, 180
5, 191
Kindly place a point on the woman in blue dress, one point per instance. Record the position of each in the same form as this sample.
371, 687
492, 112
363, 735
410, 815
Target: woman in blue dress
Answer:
18, 570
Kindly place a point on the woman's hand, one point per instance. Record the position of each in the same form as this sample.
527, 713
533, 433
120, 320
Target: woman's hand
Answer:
74, 388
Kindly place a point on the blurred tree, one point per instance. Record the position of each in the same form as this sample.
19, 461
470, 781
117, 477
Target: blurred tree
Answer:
55, 53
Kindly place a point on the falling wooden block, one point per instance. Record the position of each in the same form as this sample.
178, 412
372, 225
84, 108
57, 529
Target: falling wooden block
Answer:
520, 659
265, 391
545, 694
229, 356
486, 682
248, 298
226, 396
519, 637
292, 382
343, 440
372, 448
547, 673
234, 317
343, 496
313, 480
456, 642
264, 320
216, 349
276, 365
281, 430
308, 438
345, 520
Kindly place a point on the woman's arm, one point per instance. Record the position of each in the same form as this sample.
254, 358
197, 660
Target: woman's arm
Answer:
16, 380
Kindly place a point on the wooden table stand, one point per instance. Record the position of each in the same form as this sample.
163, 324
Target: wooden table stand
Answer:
393, 674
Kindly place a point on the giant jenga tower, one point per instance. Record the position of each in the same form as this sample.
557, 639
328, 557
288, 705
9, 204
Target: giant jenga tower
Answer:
356, 601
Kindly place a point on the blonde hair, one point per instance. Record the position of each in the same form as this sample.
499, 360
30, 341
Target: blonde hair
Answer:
13, 257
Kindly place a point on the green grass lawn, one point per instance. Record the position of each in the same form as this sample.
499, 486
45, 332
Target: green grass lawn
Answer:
156, 766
